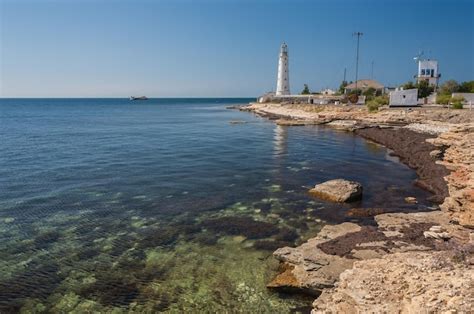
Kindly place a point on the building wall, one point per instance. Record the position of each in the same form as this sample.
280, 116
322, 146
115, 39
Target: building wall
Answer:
468, 97
406, 98
428, 71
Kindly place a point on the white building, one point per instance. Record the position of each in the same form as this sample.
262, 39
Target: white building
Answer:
428, 71
404, 98
328, 91
283, 81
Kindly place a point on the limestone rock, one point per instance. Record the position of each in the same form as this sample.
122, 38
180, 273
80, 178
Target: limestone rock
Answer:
307, 268
437, 232
411, 200
338, 190
410, 282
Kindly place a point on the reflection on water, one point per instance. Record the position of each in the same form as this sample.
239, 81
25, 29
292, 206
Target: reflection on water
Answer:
279, 140
109, 206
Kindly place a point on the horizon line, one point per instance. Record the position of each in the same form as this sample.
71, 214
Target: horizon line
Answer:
127, 97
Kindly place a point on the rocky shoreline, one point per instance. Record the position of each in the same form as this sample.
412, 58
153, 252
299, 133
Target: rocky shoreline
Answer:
356, 268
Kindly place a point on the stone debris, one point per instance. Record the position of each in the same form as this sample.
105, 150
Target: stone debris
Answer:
338, 190
437, 232
411, 200
430, 128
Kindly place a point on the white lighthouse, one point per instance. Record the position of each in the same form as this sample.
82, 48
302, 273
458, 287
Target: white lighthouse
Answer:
283, 81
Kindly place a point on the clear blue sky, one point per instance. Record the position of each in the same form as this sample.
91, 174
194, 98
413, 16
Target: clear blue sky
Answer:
102, 48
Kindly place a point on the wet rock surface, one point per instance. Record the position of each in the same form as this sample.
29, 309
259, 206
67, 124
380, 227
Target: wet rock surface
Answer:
338, 190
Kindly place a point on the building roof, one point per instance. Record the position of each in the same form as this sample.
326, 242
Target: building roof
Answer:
365, 84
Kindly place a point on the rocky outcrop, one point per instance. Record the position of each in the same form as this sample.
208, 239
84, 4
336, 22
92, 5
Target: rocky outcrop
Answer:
458, 157
309, 269
317, 264
417, 262
338, 190
413, 282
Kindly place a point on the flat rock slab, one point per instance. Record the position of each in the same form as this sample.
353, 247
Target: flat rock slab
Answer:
338, 190
307, 268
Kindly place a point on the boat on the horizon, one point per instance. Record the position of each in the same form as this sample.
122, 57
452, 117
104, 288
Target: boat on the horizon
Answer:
138, 98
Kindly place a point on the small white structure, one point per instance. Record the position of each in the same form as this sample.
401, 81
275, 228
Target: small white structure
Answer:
404, 98
328, 91
283, 81
266, 97
428, 71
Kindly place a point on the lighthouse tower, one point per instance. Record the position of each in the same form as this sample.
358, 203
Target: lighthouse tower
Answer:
283, 82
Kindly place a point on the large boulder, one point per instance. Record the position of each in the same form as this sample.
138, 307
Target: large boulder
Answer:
338, 190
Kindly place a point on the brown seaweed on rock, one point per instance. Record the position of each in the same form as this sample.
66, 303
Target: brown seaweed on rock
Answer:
414, 151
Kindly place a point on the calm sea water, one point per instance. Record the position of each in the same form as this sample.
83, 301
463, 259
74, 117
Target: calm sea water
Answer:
164, 205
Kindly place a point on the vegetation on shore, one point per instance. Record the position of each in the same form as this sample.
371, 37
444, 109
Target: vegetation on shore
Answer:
451, 86
376, 102
305, 90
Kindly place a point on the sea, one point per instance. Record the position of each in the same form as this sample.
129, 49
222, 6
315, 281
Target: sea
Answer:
168, 205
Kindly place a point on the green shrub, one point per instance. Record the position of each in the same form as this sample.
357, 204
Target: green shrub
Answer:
457, 99
457, 105
443, 99
457, 102
377, 102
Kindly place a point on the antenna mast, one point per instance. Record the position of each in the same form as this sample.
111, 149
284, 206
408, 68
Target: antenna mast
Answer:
358, 34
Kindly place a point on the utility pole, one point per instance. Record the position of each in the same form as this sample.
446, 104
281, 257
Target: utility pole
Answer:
344, 75
358, 34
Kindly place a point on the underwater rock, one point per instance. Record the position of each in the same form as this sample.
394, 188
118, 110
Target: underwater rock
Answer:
245, 226
286, 234
45, 239
37, 282
111, 288
268, 245
338, 190
205, 238
164, 236
88, 253
365, 212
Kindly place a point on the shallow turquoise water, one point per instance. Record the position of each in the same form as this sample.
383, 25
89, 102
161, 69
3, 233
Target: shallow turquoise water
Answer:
163, 205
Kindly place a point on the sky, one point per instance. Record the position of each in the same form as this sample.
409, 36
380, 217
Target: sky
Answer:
222, 48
